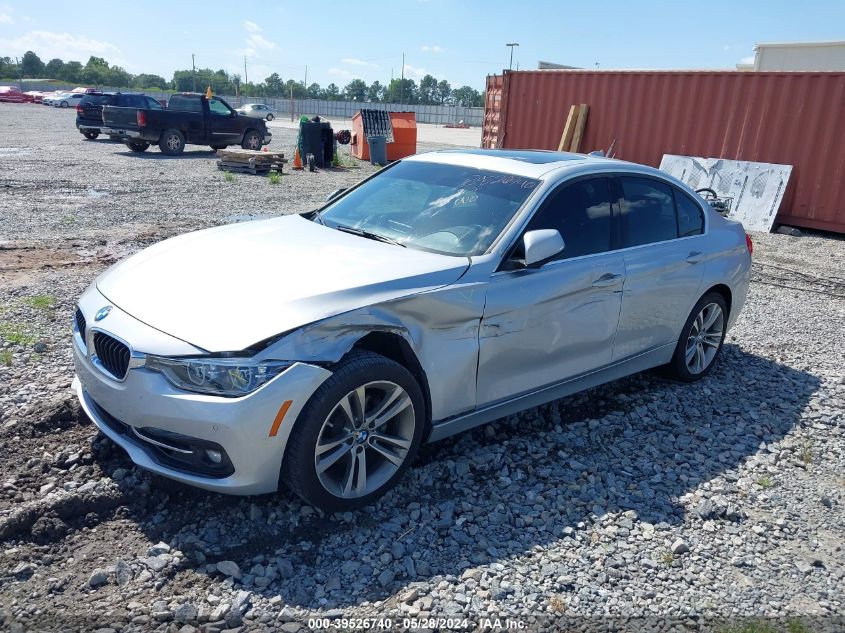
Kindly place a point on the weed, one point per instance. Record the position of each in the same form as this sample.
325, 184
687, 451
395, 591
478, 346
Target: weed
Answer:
68, 219
797, 626
806, 453
16, 334
557, 603
765, 482
752, 626
668, 559
6, 357
343, 160
275, 178
41, 302
228, 176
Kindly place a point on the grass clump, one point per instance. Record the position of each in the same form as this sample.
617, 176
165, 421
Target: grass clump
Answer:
41, 302
228, 176
6, 357
16, 334
806, 453
275, 178
765, 482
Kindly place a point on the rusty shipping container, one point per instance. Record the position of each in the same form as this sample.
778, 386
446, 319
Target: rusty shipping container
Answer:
795, 118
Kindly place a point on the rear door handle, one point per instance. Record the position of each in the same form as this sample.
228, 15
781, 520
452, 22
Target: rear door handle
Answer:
694, 257
607, 279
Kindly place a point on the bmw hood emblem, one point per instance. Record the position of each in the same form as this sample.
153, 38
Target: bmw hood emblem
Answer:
102, 313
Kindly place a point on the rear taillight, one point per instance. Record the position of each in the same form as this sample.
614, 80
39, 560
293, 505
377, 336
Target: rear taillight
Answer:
79, 108
749, 244
142, 118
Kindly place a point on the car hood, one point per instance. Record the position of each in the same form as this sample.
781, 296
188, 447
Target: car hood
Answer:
226, 288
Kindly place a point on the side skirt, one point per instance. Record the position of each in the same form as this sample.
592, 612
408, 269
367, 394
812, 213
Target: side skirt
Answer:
464, 422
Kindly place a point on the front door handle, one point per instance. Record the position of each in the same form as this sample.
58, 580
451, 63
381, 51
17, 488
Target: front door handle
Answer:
694, 257
607, 279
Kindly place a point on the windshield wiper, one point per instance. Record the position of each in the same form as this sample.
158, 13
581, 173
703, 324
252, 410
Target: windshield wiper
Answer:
368, 235
318, 214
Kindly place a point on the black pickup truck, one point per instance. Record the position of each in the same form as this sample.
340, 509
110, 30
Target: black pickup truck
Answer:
189, 118
89, 110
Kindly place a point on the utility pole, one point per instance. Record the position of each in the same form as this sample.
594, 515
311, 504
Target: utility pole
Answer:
511, 44
19, 64
402, 82
194, 70
305, 83
246, 77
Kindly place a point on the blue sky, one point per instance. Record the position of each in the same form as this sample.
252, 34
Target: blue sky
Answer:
461, 41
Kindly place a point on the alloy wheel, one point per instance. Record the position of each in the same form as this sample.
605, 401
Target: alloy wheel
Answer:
704, 338
365, 439
173, 142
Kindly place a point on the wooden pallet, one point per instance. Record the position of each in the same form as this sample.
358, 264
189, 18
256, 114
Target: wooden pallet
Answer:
249, 161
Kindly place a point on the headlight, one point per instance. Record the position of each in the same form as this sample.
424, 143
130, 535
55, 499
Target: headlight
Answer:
217, 376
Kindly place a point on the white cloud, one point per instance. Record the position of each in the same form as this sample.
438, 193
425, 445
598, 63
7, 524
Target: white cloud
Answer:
5, 18
431, 49
726, 47
341, 73
354, 61
414, 72
255, 42
747, 60
63, 45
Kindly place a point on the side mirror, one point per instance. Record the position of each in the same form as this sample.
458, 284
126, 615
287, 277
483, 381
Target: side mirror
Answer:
334, 194
541, 245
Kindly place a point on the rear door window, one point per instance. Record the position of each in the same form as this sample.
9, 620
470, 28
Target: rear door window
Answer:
647, 211
690, 217
184, 103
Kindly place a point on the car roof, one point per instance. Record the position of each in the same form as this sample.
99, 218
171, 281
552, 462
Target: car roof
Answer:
520, 162
540, 164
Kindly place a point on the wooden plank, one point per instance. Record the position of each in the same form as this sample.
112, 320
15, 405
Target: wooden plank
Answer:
579, 127
568, 130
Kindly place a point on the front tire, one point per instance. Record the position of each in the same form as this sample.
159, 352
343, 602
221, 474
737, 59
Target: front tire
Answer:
64, 104
172, 142
270, 117
252, 140
357, 434
701, 339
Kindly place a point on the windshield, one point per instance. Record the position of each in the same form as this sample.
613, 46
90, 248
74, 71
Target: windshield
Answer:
446, 209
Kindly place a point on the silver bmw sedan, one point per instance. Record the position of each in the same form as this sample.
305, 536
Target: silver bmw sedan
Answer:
449, 289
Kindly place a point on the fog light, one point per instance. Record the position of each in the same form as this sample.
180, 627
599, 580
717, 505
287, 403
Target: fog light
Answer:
215, 456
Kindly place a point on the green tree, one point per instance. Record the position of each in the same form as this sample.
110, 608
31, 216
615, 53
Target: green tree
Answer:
295, 88
314, 91
72, 72
96, 71
375, 92
402, 91
31, 65
150, 81
8, 68
332, 92
356, 90
118, 77
274, 85
467, 97
428, 90
54, 68
444, 91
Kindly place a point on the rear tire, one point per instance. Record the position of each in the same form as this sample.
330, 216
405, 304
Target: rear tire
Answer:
701, 339
138, 147
252, 140
90, 135
392, 408
270, 117
172, 142
214, 148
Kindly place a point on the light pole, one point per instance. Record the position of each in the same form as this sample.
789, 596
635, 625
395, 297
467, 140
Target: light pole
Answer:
194, 71
511, 44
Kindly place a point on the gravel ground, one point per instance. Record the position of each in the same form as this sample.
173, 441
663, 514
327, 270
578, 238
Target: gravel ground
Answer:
680, 506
